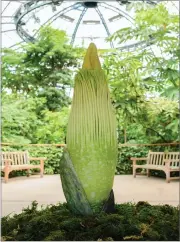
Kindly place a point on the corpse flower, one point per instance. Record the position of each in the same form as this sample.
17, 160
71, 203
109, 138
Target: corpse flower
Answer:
88, 167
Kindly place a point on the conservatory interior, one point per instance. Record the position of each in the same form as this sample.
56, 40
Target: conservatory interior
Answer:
90, 115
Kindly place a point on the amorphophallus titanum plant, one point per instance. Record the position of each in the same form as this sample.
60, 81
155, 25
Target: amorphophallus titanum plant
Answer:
88, 167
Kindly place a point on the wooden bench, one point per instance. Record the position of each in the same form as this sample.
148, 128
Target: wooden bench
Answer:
20, 160
165, 161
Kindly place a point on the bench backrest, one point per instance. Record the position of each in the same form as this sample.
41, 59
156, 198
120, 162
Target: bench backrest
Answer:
18, 157
157, 158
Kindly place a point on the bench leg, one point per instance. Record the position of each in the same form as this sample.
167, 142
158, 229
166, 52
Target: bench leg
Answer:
6, 175
148, 172
168, 176
41, 173
42, 168
134, 172
28, 172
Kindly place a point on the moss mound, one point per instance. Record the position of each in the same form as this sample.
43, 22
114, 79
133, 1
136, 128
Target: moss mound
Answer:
138, 222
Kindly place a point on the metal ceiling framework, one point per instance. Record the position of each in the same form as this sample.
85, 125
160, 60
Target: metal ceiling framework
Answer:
27, 8
105, 25
77, 25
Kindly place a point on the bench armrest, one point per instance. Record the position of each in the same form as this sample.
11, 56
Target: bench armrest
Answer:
37, 158
41, 159
134, 159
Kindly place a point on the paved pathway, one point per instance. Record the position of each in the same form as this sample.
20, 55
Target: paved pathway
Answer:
20, 191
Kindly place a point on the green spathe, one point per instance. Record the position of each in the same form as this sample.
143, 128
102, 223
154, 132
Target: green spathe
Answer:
91, 133
73, 190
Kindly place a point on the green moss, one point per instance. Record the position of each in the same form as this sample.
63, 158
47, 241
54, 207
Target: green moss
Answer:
132, 222
58, 235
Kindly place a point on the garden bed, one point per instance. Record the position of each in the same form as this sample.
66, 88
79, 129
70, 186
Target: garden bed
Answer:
136, 222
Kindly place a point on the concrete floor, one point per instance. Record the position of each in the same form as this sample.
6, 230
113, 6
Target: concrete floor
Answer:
21, 191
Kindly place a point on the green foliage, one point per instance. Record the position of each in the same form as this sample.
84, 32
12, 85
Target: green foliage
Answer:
138, 77
53, 128
156, 122
25, 120
125, 84
51, 164
36, 85
162, 120
55, 98
136, 222
42, 64
19, 119
42, 72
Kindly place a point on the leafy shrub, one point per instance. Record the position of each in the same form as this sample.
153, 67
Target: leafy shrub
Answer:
136, 222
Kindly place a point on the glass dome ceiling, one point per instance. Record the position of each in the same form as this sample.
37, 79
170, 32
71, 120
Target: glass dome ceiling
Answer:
83, 21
